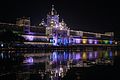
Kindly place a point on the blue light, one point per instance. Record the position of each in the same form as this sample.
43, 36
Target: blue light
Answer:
110, 42
59, 41
110, 54
54, 56
55, 40
51, 40
65, 41
65, 55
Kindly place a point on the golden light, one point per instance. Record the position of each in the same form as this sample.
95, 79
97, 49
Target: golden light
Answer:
84, 56
84, 41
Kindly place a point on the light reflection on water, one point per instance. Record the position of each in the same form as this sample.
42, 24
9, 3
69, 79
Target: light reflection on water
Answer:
57, 63
63, 56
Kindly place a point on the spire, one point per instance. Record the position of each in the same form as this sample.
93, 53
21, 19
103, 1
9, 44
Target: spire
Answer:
63, 20
53, 8
53, 11
63, 23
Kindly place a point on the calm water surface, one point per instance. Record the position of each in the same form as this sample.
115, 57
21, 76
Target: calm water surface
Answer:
57, 65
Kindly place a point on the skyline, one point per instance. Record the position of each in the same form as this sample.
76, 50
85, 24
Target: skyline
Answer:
86, 16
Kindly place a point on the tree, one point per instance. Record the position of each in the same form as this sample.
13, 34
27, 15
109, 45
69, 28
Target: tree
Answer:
8, 36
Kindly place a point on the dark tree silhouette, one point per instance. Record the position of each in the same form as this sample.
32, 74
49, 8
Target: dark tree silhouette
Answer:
8, 36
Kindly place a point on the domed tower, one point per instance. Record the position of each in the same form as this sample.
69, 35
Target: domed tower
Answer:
43, 23
62, 25
53, 18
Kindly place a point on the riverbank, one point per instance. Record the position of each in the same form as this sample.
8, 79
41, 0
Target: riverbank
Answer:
50, 47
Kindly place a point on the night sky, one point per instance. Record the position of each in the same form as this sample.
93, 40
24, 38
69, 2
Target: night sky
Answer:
87, 16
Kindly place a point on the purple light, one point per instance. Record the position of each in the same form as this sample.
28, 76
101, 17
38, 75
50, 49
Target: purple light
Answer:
31, 33
30, 38
78, 56
70, 56
74, 40
90, 55
78, 40
95, 42
73, 56
90, 41
96, 54
29, 60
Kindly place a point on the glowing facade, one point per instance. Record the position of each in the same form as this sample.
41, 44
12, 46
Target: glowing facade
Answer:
56, 32
59, 33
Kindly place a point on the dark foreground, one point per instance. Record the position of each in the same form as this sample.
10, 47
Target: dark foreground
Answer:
92, 73
97, 72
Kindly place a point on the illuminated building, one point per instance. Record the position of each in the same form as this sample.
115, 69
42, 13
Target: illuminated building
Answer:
56, 32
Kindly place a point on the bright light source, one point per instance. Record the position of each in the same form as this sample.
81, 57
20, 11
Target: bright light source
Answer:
30, 38
29, 60
95, 42
84, 41
90, 41
1, 45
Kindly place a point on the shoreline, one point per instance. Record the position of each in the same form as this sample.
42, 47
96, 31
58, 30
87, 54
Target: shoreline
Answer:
72, 47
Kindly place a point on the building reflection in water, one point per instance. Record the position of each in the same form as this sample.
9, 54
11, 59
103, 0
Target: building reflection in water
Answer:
29, 60
61, 61
55, 64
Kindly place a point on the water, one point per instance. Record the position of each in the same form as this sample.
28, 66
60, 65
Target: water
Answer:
59, 65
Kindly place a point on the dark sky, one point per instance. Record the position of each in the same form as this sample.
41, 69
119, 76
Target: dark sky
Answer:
88, 15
